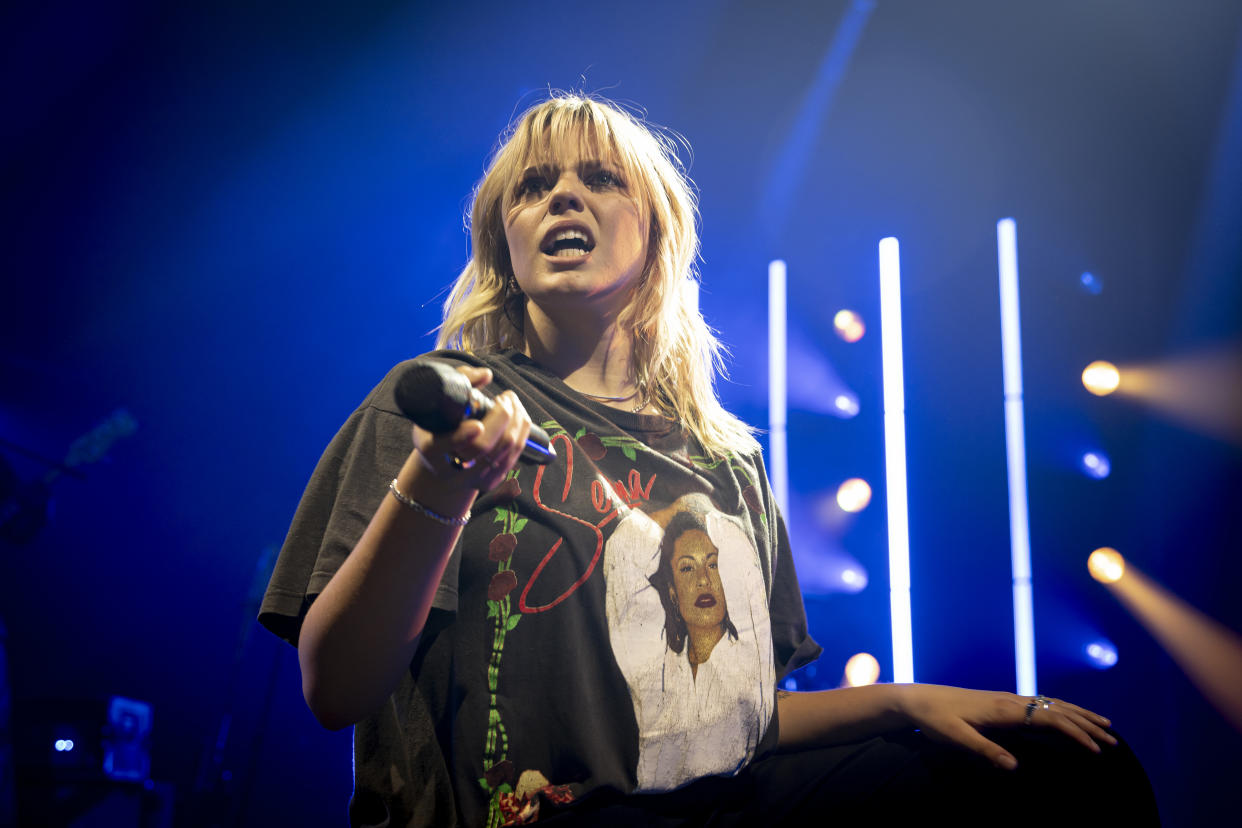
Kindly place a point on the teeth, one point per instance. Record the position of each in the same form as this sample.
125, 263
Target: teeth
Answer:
568, 242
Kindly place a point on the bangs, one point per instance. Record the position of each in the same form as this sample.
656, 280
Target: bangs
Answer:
564, 128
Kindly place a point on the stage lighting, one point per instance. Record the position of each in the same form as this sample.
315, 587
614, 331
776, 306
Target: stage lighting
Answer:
1095, 464
853, 495
849, 325
1101, 654
895, 461
862, 669
63, 745
1091, 283
1101, 378
846, 405
854, 579
1106, 565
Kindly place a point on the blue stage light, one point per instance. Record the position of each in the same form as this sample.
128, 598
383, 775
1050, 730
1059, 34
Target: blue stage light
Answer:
1101, 654
895, 460
778, 345
1095, 464
63, 745
854, 578
845, 405
1015, 450
1091, 283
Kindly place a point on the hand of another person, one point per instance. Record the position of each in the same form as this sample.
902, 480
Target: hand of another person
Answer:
478, 453
954, 715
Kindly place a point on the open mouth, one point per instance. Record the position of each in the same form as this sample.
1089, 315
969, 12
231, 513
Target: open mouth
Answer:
567, 243
704, 601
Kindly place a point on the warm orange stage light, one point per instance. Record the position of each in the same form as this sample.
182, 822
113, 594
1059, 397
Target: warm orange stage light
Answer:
1106, 565
1207, 651
853, 495
1101, 378
849, 325
862, 669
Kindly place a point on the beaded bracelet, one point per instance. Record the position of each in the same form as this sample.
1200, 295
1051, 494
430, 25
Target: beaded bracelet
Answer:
406, 500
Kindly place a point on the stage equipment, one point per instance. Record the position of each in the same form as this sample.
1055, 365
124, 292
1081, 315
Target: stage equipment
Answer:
1101, 654
1106, 565
853, 495
1095, 464
1101, 378
778, 448
846, 405
86, 762
1091, 283
1015, 454
895, 460
848, 325
862, 669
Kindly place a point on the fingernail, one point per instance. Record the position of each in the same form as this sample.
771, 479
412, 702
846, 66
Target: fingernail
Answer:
1006, 761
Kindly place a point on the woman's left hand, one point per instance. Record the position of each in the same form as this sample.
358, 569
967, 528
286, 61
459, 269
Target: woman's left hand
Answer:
955, 715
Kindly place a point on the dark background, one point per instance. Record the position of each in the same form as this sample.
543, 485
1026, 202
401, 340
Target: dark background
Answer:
231, 219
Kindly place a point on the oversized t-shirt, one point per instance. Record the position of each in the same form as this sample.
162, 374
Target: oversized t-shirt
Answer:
572, 649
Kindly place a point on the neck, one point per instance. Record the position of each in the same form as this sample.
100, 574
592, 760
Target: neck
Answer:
592, 355
702, 640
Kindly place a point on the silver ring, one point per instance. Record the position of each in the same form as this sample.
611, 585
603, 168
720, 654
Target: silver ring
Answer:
1040, 702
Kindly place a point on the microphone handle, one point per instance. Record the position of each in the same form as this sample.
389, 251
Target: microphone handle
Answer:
538, 448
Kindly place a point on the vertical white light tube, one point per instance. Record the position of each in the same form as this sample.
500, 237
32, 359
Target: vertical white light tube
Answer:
778, 450
895, 460
1015, 450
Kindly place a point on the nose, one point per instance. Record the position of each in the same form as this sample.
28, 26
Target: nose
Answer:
566, 195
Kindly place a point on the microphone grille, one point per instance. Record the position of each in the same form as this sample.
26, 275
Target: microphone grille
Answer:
433, 394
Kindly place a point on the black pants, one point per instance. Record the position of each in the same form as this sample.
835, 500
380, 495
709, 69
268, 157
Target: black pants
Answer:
891, 780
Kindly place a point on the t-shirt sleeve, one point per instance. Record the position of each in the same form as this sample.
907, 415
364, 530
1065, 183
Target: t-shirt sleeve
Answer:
347, 486
793, 645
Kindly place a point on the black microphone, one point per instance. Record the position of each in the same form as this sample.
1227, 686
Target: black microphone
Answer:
437, 397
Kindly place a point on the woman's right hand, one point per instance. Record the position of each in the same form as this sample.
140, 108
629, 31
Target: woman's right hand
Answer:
478, 453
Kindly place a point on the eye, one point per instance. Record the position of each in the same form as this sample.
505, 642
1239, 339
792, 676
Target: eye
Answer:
602, 179
532, 185
683, 568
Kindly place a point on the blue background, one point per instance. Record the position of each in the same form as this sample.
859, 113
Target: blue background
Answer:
232, 219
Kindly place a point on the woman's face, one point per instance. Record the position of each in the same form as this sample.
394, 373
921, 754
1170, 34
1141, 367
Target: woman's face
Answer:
696, 580
576, 237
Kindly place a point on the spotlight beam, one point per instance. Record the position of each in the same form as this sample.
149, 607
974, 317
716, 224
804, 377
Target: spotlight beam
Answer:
800, 145
1209, 653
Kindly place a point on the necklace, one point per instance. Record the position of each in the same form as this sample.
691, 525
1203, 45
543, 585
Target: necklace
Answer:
602, 398
642, 402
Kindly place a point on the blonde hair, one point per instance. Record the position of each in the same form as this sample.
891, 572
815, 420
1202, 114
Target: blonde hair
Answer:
676, 356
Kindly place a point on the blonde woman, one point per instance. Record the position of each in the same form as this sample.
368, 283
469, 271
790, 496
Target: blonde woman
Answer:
451, 602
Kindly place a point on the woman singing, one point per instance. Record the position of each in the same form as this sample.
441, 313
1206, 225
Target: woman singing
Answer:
491, 628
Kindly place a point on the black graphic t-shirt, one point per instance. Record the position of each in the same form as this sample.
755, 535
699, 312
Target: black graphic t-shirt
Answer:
614, 621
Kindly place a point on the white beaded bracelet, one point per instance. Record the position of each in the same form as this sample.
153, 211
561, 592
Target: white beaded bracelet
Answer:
406, 500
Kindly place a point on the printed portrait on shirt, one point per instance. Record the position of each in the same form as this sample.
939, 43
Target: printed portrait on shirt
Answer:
688, 625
